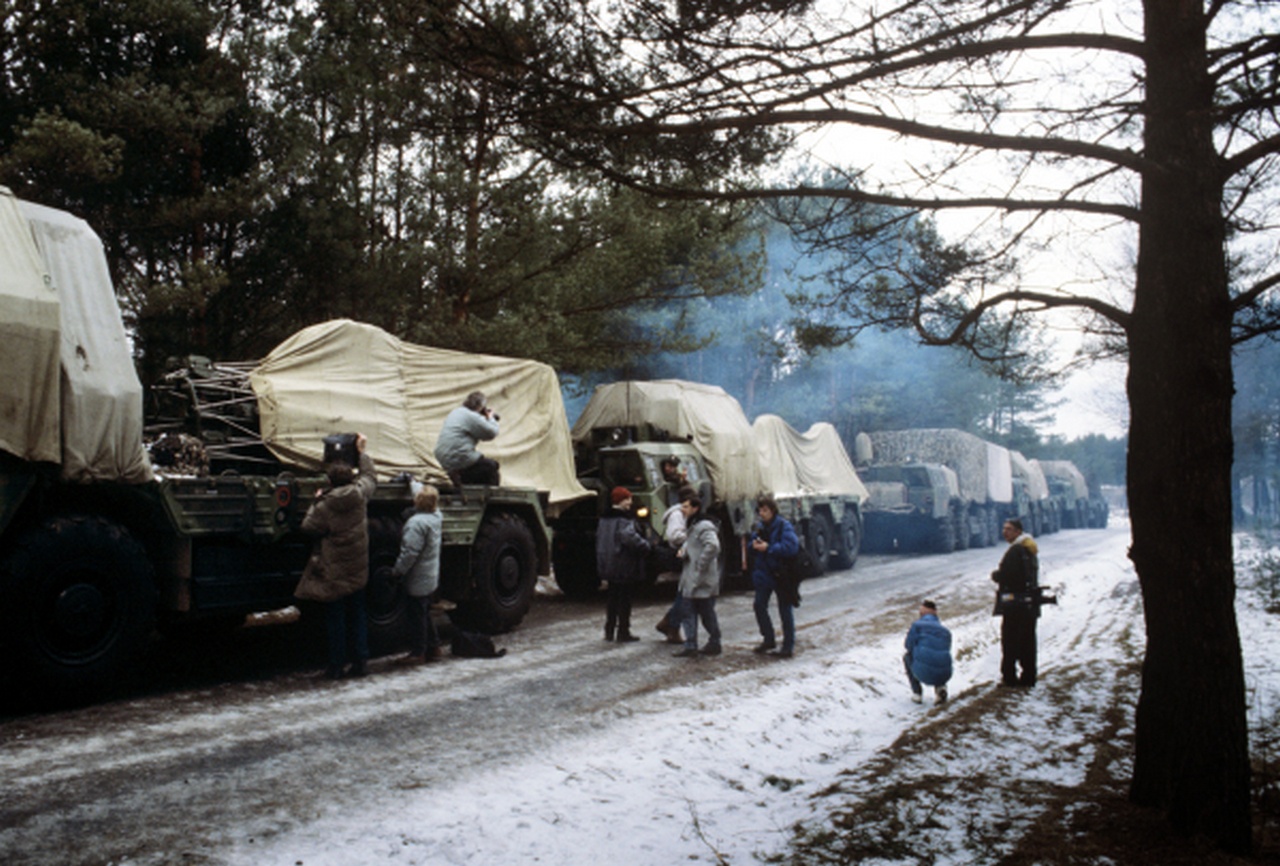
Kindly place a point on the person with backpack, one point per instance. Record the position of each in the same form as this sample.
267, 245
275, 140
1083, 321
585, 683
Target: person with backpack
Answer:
775, 544
699, 580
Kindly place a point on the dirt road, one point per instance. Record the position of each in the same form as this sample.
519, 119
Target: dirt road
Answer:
246, 739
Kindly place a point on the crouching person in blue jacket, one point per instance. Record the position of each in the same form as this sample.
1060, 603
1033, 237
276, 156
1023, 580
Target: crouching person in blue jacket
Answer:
928, 657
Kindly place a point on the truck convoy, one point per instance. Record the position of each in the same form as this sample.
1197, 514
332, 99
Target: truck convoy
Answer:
938, 490
103, 537
628, 428
1076, 506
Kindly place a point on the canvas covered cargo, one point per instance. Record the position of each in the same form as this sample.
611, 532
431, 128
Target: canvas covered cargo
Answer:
71, 393
1066, 471
705, 415
345, 376
982, 468
1029, 471
812, 462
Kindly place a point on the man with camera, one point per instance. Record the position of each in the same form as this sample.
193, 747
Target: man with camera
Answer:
463, 429
1018, 604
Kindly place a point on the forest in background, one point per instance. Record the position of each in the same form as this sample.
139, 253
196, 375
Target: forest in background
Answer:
257, 167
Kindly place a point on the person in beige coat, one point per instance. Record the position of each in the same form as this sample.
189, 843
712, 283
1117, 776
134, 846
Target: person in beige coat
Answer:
337, 572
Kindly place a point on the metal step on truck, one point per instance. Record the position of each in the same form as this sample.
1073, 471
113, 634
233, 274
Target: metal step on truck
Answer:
109, 537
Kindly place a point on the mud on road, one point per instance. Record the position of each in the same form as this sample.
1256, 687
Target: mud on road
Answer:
226, 739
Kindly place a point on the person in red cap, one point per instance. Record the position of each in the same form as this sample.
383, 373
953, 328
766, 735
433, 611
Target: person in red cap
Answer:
620, 557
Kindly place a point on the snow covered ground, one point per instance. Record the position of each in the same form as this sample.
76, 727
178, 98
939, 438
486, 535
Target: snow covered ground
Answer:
730, 770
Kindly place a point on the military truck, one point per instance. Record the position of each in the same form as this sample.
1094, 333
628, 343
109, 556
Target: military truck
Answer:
99, 544
628, 428
913, 507
1069, 492
1081, 505
1029, 482
984, 475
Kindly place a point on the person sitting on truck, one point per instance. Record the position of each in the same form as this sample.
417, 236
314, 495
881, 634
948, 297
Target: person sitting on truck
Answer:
338, 571
620, 559
699, 580
674, 533
419, 561
774, 542
472, 422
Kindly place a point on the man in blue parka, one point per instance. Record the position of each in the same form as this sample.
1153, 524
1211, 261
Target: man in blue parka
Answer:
928, 657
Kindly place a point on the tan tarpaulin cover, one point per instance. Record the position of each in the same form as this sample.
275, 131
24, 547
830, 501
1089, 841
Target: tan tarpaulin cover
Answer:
29, 411
101, 393
705, 414
347, 377
812, 462
70, 394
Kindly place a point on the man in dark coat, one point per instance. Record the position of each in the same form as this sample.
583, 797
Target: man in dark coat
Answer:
1017, 602
620, 559
338, 572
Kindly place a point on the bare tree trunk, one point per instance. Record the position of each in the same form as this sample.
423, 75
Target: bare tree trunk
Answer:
1191, 738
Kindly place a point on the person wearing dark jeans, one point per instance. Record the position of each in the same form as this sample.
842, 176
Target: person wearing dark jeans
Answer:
1017, 603
620, 560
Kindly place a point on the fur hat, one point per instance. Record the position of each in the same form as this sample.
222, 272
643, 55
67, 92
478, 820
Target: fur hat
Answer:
620, 495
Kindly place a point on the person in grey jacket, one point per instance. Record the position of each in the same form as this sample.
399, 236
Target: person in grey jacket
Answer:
419, 564
337, 573
463, 428
620, 560
699, 580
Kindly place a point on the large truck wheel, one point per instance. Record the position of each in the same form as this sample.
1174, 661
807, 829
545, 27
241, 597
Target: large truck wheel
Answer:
385, 596
850, 541
944, 535
960, 528
821, 535
504, 575
79, 602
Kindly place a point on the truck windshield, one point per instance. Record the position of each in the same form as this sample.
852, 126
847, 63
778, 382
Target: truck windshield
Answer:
624, 469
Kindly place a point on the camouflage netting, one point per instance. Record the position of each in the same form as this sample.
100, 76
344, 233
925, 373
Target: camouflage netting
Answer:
983, 469
1031, 474
1065, 470
705, 415
812, 462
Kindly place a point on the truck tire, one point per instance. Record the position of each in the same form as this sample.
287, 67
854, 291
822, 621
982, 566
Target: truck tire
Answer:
79, 597
385, 597
944, 536
820, 537
960, 528
850, 542
504, 575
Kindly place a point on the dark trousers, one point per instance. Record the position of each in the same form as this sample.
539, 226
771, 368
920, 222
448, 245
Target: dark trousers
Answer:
1018, 647
422, 629
347, 622
483, 471
618, 611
